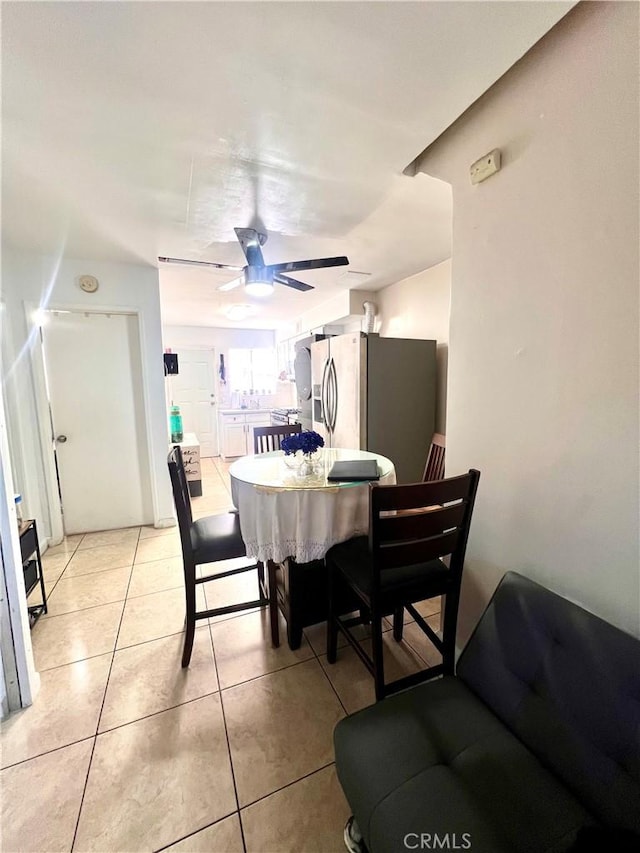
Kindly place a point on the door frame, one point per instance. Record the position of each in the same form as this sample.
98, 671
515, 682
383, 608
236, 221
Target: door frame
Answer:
20, 676
216, 382
43, 409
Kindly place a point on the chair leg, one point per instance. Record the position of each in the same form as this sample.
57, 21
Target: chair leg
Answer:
260, 579
294, 634
190, 619
332, 626
398, 623
378, 661
273, 604
449, 626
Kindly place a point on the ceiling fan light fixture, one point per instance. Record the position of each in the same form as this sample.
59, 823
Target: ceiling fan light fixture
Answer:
259, 288
258, 277
258, 281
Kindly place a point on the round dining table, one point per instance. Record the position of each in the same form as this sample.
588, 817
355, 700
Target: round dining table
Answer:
283, 514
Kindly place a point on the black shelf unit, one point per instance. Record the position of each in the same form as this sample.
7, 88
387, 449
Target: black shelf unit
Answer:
32, 567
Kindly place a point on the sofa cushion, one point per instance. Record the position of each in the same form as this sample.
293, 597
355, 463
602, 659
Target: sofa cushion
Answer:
436, 760
567, 684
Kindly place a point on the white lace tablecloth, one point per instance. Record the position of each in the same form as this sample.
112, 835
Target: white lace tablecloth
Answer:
282, 516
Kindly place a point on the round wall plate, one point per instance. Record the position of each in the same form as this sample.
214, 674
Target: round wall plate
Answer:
88, 283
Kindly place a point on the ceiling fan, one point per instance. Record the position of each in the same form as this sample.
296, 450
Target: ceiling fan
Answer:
258, 277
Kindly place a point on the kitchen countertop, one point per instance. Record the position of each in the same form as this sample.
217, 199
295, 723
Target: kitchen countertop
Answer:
243, 411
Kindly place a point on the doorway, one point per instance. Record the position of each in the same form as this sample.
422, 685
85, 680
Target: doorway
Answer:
94, 380
194, 390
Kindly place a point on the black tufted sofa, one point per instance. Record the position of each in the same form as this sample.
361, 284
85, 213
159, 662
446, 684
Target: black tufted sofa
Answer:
534, 746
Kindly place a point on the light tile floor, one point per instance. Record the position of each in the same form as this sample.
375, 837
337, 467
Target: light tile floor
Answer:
125, 751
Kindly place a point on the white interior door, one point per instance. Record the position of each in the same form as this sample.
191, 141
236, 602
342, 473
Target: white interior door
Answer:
94, 376
193, 389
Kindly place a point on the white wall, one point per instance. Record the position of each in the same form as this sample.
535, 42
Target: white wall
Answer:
543, 365
418, 307
4, 702
344, 311
40, 280
221, 339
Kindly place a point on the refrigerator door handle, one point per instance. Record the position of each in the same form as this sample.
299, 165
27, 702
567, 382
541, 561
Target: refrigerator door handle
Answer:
330, 397
333, 379
323, 395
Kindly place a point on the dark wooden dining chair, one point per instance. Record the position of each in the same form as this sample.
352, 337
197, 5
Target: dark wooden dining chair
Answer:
434, 469
207, 540
268, 438
411, 529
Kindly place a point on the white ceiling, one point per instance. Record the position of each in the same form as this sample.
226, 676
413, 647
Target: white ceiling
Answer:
136, 129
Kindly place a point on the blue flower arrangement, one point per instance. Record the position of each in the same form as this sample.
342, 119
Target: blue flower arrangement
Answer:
308, 442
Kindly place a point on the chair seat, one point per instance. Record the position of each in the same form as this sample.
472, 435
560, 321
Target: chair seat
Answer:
411, 583
217, 537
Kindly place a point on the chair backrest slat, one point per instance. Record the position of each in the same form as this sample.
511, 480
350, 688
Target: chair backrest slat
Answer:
434, 469
436, 523
422, 523
418, 495
181, 496
266, 439
392, 555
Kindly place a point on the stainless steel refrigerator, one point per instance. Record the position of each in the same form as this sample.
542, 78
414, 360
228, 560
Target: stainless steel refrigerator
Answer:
377, 394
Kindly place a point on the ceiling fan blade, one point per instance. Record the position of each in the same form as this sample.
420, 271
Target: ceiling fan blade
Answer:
251, 240
186, 262
231, 285
292, 282
318, 263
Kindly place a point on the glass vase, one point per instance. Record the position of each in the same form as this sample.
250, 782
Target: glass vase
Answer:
307, 465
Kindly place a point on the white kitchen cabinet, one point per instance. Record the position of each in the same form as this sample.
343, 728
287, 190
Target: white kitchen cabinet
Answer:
236, 433
234, 440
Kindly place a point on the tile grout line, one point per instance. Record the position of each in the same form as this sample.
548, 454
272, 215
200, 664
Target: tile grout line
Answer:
91, 574
104, 696
284, 787
294, 781
113, 728
61, 575
196, 831
157, 713
226, 733
80, 660
142, 642
91, 547
265, 674
46, 752
326, 675
91, 606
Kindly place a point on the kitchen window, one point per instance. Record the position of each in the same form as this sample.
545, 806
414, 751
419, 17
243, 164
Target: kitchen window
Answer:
252, 370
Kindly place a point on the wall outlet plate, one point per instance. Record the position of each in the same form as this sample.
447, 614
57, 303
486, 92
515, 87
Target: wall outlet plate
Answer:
485, 166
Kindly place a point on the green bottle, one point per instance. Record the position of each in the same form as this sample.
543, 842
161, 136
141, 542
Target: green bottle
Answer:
175, 424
